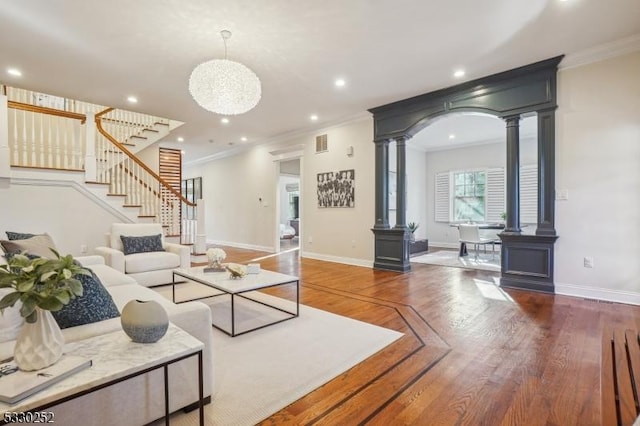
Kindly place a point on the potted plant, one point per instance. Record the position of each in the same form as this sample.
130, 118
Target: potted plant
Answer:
412, 227
41, 285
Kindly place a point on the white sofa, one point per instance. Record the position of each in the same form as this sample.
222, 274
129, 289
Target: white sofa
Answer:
148, 269
139, 400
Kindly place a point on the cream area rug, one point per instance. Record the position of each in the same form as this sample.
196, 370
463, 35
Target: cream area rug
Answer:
261, 372
485, 262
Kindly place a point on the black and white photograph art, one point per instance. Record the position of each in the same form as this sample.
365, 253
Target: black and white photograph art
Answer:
336, 189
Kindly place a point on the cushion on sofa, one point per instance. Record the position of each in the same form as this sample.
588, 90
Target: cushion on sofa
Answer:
18, 235
109, 277
132, 230
143, 262
38, 245
94, 305
142, 244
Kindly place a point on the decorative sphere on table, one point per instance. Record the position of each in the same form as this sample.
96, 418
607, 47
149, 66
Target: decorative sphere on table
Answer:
144, 321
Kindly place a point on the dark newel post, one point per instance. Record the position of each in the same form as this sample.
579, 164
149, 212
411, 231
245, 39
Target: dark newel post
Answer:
513, 174
546, 172
401, 183
382, 184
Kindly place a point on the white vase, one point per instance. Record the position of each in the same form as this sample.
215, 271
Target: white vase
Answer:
40, 344
144, 321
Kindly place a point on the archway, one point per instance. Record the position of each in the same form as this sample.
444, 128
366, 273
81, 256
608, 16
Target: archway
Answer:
527, 260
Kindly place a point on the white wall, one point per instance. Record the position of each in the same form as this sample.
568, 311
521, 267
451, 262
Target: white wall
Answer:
68, 216
233, 185
416, 161
240, 195
598, 162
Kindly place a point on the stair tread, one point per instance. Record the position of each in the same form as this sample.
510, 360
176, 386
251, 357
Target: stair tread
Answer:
132, 205
116, 195
96, 182
137, 137
146, 215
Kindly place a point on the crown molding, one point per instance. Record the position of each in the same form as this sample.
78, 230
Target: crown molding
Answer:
601, 52
285, 137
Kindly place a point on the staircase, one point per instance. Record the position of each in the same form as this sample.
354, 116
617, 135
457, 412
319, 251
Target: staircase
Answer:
56, 134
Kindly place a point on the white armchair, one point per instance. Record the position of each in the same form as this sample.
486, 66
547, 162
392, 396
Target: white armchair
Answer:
147, 268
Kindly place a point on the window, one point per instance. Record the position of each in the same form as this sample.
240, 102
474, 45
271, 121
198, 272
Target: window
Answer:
469, 196
479, 195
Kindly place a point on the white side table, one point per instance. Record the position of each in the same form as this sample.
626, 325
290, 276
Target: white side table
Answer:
115, 358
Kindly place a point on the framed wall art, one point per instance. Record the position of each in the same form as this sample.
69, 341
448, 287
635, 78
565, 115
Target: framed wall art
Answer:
336, 189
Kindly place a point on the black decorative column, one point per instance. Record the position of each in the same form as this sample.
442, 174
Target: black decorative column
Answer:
382, 184
391, 245
401, 183
513, 175
546, 172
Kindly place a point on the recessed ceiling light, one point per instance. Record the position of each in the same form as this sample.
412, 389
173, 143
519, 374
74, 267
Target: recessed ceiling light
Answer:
132, 99
15, 72
340, 82
243, 139
452, 136
459, 73
180, 139
224, 120
314, 117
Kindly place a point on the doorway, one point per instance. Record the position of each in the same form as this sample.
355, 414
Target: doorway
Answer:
290, 202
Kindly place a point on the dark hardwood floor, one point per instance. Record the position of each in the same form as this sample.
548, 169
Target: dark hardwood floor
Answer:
472, 353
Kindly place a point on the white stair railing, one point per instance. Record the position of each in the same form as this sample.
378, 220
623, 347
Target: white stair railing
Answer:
129, 176
50, 132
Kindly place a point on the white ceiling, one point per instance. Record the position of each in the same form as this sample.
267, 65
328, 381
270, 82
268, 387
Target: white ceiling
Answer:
103, 51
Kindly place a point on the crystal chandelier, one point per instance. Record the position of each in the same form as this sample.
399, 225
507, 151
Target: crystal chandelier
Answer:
223, 86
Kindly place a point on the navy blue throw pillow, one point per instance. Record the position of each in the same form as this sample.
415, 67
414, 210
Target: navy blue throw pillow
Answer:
144, 244
18, 235
94, 305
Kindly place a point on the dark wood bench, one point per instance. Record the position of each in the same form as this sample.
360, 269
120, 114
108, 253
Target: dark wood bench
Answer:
620, 376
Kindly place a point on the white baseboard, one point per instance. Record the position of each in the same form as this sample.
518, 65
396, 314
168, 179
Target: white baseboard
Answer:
444, 245
242, 245
338, 259
606, 294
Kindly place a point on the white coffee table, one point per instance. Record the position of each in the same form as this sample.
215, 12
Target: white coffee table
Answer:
240, 287
115, 358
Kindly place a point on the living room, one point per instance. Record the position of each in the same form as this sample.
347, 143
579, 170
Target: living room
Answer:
596, 155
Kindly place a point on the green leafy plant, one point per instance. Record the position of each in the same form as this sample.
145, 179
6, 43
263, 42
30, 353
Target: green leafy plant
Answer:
47, 284
503, 215
413, 226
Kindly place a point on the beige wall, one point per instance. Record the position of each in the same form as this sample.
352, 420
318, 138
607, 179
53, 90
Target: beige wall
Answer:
72, 219
232, 188
598, 162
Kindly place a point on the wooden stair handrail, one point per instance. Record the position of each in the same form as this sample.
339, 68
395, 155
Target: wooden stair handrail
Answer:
136, 159
45, 110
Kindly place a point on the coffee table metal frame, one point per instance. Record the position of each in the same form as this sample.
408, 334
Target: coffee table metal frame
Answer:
197, 277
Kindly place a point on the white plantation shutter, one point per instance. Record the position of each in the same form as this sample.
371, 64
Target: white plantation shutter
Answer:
496, 190
529, 194
442, 201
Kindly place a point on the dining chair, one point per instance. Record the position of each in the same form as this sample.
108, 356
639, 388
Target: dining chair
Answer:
470, 234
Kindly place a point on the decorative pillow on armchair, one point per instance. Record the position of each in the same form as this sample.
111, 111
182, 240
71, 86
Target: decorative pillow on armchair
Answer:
144, 244
94, 305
